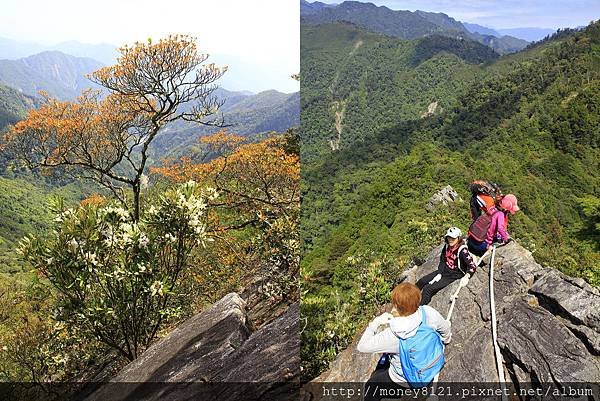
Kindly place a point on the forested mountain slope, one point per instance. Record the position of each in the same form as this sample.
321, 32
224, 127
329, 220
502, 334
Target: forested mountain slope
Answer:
59, 74
24, 209
401, 23
355, 82
13, 105
529, 121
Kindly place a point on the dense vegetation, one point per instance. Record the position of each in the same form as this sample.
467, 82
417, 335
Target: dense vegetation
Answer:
529, 121
24, 210
94, 281
13, 105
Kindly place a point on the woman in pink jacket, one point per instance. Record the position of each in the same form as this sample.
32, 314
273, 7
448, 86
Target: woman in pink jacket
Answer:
495, 223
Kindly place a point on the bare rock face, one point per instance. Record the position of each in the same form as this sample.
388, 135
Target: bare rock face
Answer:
571, 298
545, 349
547, 325
270, 355
214, 355
433, 109
444, 196
349, 366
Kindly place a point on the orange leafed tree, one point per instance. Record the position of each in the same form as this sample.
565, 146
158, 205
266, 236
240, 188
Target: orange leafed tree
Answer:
259, 183
105, 135
257, 179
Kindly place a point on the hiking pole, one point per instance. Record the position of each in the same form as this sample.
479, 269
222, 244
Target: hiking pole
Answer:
494, 332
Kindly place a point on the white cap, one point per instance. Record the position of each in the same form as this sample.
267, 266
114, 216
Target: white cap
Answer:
453, 232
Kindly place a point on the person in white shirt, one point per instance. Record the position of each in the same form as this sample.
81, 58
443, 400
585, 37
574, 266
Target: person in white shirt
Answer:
403, 322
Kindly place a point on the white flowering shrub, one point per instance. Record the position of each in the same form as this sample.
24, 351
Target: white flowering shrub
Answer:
279, 248
118, 279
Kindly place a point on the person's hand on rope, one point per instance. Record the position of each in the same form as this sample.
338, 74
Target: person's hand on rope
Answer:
464, 281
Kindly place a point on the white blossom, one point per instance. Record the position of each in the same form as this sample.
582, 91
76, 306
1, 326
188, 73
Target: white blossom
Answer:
73, 245
143, 240
144, 181
157, 288
91, 258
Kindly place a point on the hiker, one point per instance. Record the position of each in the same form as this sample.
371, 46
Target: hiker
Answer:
455, 264
491, 226
413, 330
484, 196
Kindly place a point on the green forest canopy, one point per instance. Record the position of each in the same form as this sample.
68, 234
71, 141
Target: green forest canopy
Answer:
529, 121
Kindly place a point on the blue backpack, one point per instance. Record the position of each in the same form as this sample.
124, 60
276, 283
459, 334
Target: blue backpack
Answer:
422, 356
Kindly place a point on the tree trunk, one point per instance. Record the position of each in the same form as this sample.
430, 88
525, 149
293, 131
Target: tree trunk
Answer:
136, 200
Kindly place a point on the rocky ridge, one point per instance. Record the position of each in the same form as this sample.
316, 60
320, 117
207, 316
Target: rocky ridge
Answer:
548, 326
444, 196
215, 355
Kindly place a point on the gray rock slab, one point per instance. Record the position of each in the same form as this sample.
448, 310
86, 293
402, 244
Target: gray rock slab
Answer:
547, 325
571, 298
213, 355
535, 339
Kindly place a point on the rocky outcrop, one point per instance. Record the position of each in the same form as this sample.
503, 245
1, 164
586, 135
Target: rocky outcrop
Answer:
548, 329
444, 196
214, 355
433, 109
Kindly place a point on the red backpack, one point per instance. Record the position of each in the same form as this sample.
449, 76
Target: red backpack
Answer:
479, 228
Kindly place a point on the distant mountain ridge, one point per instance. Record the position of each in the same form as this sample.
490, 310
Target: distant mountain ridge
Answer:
59, 74
241, 75
484, 30
12, 49
401, 23
246, 114
528, 34
308, 8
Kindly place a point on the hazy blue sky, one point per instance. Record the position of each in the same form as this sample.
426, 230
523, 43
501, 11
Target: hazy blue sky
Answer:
505, 13
260, 40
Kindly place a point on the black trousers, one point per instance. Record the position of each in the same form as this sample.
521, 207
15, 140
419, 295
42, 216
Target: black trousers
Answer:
380, 385
429, 290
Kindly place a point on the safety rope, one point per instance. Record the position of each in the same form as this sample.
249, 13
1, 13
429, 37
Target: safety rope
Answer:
455, 295
499, 361
453, 298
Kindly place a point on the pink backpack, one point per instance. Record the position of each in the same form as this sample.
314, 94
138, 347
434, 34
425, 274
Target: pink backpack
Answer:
479, 228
